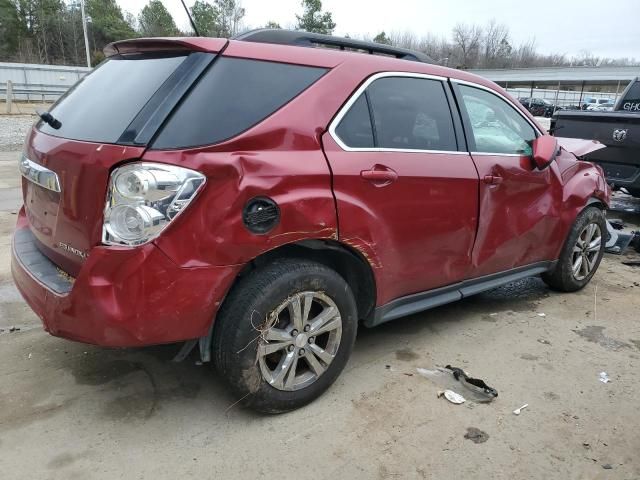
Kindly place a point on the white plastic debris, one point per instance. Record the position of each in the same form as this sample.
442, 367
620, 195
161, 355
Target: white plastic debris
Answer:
452, 396
542, 314
518, 410
604, 378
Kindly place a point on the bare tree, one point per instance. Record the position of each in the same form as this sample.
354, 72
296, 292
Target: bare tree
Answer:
586, 59
494, 43
466, 39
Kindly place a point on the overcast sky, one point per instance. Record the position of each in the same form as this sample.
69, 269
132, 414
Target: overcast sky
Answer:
608, 29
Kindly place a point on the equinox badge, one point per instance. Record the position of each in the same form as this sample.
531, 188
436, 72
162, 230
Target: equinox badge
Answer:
70, 249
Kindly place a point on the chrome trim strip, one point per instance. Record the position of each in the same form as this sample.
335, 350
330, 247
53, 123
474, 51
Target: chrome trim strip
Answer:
354, 97
39, 175
498, 94
499, 154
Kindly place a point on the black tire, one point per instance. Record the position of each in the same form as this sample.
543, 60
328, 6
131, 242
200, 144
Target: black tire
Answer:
562, 277
244, 313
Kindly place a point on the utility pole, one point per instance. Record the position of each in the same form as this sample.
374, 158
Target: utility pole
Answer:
84, 29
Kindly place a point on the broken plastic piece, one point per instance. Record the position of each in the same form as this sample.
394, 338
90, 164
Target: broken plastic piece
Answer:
616, 223
617, 241
451, 378
475, 384
604, 378
518, 410
542, 314
452, 396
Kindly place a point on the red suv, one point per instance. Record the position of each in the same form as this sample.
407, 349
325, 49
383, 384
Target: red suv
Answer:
257, 199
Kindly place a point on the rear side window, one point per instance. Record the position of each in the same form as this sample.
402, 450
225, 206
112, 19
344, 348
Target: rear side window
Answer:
101, 105
232, 96
412, 113
408, 114
355, 128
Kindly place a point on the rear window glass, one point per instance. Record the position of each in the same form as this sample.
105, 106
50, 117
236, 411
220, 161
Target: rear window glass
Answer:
355, 128
412, 113
233, 95
101, 105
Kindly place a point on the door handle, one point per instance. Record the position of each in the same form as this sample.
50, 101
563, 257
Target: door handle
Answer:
492, 179
379, 175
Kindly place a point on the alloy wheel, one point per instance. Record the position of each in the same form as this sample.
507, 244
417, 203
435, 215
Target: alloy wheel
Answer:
301, 340
586, 251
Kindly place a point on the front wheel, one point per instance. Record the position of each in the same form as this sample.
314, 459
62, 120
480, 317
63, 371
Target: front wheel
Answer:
581, 254
284, 334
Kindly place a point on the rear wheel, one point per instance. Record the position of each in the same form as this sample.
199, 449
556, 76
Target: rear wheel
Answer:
284, 334
581, 254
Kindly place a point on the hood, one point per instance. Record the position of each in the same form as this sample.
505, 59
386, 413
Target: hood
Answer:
579, 147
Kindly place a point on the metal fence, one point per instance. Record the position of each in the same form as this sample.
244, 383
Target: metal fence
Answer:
562, 98
33, 82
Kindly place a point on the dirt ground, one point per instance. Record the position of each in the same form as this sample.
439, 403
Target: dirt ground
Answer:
71, 411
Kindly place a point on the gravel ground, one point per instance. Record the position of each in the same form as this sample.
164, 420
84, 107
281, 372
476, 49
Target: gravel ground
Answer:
13, 130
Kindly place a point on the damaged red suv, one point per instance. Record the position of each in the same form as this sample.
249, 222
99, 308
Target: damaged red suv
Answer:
259, 198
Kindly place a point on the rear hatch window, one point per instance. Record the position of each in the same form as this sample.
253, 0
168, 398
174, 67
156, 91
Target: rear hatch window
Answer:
101, 106
181, 100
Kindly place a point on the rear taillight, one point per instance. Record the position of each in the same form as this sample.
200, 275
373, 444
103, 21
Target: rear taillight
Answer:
143, 198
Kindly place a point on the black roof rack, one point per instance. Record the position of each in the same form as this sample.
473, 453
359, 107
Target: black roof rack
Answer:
301, 38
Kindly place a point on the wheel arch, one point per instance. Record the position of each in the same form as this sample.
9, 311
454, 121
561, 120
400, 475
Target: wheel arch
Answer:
345, 260
594, 202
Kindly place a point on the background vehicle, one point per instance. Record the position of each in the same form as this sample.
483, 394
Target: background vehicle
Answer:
619, 130
259, 200
602, 107
539, 107
595, 102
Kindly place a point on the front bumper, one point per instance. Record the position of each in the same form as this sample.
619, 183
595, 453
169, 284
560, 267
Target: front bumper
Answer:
122, 297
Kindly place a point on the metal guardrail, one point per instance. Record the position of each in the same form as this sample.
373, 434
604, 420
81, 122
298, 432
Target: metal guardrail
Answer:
34, 82
41, 90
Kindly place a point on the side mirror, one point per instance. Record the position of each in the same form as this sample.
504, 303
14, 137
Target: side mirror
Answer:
544, 149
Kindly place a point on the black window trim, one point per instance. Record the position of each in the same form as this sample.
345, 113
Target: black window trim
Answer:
467, 124
462, 150
147, 123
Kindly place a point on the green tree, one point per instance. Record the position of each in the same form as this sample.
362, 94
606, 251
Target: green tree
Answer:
272, 24
156, 21
382, 38
107, 22
12, 30
313, 19
206, 17
218, 19
231, 14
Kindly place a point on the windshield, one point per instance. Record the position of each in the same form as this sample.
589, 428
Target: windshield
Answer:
102, 104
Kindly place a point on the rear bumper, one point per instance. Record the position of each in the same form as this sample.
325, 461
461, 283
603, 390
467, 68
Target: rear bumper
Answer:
125, 297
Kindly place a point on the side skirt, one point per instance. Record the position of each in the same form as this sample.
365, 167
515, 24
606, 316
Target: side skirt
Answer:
419, 302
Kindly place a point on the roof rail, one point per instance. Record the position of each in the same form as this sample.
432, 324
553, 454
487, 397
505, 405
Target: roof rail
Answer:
301, 38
